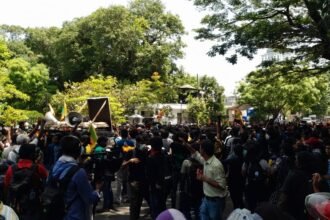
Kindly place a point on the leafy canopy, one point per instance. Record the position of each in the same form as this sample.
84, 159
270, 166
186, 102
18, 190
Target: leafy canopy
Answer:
241, 27
273, 95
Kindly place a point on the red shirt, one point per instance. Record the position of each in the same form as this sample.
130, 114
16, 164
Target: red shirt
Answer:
41, 170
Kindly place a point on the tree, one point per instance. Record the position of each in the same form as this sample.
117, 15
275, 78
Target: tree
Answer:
31, 79
138, 96
76, 94
10, 94
129, 43
272, 93
213, 96
298, 27
197, 110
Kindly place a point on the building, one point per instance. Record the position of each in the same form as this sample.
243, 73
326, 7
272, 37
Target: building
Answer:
166, 113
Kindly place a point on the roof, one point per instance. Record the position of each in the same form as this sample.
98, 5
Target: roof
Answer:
187, 86
172, 105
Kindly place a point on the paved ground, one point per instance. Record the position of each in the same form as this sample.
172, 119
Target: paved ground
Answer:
122, 212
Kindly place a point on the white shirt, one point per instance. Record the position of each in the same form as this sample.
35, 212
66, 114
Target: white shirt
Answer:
213, 169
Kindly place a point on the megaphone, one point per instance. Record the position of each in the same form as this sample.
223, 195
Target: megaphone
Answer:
49, 117
74, 118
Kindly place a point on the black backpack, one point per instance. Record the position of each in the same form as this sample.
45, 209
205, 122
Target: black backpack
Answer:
194, 186
24, 189
167, 166
255, 173
52, 199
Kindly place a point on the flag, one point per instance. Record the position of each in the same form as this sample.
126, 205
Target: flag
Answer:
64, 111
92, 137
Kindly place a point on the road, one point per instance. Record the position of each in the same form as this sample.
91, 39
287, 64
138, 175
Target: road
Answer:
122, 212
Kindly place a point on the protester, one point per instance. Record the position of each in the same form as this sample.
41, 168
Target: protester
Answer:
214, 181
24, 183
123, 145
191, 189
138, 185
156, 177
79, 196
297, 185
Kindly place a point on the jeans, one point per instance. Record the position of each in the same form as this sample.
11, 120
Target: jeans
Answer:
138, 191
157, 202
107, 193
211, 209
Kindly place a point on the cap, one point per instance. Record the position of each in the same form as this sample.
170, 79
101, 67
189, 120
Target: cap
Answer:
318, 205
171, 214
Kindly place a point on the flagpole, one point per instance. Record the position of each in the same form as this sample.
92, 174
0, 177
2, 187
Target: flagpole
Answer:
82, 107
97, 114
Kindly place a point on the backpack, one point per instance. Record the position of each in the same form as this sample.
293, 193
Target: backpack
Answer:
167, 166
52, 199
24, 189
194, 186
255, 173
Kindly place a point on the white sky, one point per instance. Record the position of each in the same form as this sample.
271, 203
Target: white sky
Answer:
46, 13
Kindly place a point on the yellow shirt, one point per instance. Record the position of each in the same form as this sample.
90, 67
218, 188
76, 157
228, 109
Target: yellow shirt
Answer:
213, 169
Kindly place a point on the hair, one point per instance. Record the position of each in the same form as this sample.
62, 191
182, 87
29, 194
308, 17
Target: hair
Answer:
27, 151
102, 141
156, 143
22, 139
208, 147
70, 146
124, 133
164, 133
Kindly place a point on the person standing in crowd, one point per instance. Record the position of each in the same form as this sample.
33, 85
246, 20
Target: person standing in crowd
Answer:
137, 179
79, 195
26, 201
178, 154
123, 145
5, 140
20, 139
53, 151
156, 177
167, 141
213, 178
256, 171
101, 174
191, 189
297, 185
234, 163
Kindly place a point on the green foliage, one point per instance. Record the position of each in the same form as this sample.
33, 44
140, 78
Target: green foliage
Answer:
11, 116
31, 79
138, 96
4, 52
11, 95
76, 94
128, 43
299, 27
198, 111
272, 93
213, 96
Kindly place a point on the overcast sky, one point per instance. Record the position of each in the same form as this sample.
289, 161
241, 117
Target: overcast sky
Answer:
46, 13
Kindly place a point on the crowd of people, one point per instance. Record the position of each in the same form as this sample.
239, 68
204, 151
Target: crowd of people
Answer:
267, 170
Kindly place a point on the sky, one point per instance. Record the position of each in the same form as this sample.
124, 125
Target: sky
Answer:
47, 13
